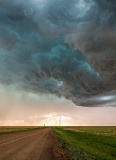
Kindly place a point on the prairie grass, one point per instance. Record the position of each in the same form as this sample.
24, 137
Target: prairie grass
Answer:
88, 143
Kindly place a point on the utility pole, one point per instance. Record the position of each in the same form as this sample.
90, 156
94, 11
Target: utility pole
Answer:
60, 121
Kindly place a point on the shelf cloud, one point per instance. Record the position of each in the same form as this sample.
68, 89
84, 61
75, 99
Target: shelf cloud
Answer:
66, 48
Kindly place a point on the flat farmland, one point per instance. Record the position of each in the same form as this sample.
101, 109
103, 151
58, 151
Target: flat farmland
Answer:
105, 131
13, 129
57, 143
88, 143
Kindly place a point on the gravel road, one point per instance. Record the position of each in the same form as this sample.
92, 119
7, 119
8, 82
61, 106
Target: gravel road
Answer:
30, 145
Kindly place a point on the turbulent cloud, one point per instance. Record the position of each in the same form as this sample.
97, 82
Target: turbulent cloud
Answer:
66, 48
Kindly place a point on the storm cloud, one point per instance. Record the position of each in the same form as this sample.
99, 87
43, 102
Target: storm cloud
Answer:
66, 48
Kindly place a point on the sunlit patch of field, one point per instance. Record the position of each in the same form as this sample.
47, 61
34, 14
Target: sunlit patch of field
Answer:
89, 143
13, 129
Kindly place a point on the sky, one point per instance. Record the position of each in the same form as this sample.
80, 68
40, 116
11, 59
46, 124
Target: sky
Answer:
57, 58
19, 108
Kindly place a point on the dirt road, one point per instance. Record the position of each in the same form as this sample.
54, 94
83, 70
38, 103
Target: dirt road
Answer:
30, 145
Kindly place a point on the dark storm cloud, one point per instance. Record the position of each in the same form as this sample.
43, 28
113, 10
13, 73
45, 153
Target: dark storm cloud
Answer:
64, 47
96, 36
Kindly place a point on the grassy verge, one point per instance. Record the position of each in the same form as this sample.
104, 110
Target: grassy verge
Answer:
8, 130
87, 146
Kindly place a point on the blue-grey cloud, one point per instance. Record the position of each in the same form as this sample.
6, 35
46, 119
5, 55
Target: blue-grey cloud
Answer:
66, 48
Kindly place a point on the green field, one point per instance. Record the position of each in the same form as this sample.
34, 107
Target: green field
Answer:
88, 143
12, 129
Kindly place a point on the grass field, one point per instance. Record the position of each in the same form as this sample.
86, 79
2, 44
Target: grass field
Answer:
12, 129
89, 143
